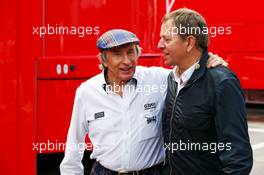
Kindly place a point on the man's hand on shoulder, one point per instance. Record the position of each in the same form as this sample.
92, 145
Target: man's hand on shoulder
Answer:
214, 60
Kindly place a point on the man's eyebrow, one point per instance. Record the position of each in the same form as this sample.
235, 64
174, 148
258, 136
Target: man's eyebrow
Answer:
165, 36
116, 50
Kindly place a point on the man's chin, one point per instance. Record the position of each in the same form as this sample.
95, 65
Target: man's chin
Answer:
171, 62
168, 63
126, 78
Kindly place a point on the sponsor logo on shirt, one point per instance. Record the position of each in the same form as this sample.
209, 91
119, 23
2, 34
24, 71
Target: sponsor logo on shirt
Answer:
149, 106
151, 119
99, 115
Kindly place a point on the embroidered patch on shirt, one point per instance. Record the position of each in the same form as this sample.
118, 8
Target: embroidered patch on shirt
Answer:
151, 119
99, 115
148, 106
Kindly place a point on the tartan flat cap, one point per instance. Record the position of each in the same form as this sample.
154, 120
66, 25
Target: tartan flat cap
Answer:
114, 38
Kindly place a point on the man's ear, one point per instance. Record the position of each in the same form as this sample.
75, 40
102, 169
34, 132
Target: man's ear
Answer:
102, 59
190, 40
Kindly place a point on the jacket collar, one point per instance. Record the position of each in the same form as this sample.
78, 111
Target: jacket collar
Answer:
200, 68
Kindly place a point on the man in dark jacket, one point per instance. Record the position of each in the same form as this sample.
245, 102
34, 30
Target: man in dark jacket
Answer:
204, 120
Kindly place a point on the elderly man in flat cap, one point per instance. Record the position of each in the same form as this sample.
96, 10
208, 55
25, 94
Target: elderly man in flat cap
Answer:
122, 120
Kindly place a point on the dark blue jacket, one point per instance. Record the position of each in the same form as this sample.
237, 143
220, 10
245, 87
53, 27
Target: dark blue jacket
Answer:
208, 112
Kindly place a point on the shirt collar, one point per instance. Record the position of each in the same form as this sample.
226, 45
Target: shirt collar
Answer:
186, 75
133, 80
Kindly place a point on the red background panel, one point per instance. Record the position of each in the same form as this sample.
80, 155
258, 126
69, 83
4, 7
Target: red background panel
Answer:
36, 102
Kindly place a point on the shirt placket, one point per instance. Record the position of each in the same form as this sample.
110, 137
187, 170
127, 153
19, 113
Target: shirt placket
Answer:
124, 102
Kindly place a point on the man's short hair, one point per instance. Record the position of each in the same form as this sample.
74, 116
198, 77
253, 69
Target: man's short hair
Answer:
193, 23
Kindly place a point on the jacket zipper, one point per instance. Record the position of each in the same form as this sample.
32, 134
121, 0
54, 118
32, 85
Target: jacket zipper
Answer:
171, 131
175, 99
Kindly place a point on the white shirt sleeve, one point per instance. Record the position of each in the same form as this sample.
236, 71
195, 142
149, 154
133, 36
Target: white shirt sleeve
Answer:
160, 71
75, 145
157, 74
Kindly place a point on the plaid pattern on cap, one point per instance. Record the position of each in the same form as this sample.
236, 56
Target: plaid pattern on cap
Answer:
116, 37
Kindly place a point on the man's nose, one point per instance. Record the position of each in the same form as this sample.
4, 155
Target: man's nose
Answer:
126, 59
161, 44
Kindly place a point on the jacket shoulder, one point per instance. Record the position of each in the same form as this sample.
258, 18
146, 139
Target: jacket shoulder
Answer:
220, 74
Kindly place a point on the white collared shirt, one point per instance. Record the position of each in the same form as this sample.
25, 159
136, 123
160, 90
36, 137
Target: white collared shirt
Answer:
126, 132
184, 77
